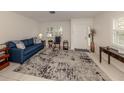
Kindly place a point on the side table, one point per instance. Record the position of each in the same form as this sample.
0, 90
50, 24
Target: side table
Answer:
4, 58
44, 42
50, 43
65, 45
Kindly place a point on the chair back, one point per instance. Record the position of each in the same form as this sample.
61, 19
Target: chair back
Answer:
57, 39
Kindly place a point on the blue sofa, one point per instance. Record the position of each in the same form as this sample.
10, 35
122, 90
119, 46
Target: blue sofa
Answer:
21, 55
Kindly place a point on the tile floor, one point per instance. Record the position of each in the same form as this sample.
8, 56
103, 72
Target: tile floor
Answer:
113, 73
7, 74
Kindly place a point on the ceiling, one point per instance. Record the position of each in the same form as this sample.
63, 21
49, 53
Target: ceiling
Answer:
45, 16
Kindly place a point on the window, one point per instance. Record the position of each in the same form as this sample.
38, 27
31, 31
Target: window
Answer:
54, 31
118, 32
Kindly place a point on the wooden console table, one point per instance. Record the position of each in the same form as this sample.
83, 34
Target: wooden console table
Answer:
111, 53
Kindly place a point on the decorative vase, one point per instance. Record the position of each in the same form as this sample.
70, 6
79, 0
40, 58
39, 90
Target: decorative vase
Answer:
92, 46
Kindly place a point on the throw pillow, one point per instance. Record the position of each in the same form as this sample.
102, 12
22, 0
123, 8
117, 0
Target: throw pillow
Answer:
20, 45
16, 41
36, 40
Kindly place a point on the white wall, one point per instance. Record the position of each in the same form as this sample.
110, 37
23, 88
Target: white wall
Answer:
79, 32
67, 28
103, 25
16, 27
65, 25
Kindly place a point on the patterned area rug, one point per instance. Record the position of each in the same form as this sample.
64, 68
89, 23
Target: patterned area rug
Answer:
63, 65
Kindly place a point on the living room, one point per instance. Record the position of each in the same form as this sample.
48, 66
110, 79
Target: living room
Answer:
61, 46
74, 28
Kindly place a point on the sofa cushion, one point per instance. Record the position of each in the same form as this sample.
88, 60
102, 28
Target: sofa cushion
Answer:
31, 48
11, 44
25, 42
30, 42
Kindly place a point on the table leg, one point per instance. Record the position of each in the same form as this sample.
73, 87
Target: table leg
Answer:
108, 59
100, 57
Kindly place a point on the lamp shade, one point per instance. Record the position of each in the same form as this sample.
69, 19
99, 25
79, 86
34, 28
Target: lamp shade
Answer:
40, 35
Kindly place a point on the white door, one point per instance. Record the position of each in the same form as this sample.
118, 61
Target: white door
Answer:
80, 36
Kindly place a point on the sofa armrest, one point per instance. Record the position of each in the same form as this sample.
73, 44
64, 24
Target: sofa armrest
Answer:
43, 42
16, 54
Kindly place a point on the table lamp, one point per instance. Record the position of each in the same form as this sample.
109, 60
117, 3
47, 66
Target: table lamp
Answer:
40, 36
